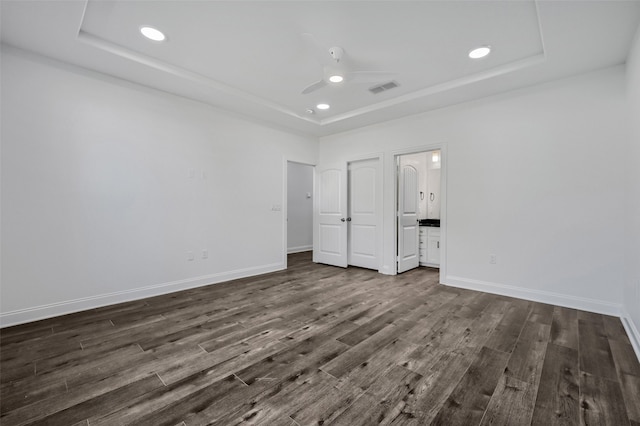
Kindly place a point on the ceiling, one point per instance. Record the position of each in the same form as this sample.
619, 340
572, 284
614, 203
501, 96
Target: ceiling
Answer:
256, 57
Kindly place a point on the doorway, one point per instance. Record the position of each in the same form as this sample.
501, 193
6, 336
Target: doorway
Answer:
348, 218
298, 207
419, 194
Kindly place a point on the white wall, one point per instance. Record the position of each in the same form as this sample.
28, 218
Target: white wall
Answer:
299, 207
632, 288
106, 186
99, 206
533, 176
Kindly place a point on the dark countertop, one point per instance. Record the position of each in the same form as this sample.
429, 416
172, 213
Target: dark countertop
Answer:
430, 222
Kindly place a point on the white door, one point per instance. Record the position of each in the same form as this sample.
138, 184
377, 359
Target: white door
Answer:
330, 218
408, 252
363, 219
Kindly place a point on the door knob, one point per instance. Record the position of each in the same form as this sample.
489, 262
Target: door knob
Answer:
348, 219
342, 220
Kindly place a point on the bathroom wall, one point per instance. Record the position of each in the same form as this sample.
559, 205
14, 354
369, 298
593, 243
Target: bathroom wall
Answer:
433, 178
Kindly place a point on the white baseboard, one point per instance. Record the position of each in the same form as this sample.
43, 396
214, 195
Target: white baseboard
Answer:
35, 313
632, 331
568, 301
299, 249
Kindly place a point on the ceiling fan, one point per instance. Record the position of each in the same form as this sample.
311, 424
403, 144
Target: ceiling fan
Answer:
335, 71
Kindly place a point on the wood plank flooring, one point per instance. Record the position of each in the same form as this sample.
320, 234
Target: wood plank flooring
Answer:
318, 345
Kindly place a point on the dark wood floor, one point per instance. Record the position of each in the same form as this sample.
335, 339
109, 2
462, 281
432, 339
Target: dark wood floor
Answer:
317, 345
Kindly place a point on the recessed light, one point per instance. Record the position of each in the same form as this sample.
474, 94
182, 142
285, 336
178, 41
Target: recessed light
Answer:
480, 52
336, 78
152, 33
323, 106
310, 111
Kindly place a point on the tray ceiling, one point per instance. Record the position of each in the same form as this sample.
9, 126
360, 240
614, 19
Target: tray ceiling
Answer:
254, 58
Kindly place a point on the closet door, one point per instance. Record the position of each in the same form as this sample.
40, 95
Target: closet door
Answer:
362, 220
330, 218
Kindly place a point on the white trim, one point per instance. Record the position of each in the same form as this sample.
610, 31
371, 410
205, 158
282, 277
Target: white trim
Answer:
544, 47
632, 331
299, 249
50, 61
35, 313
185, 74
285, 211
507, 68
549, 297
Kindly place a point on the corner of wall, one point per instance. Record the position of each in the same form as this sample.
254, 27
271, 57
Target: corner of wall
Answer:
632, 331
631, 300
569, 301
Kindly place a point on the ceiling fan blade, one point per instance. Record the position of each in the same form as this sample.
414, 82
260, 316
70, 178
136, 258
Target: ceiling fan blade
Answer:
319, 52
315, 86
369, 76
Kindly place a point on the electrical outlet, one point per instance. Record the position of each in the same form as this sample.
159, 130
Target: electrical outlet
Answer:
205, 253
493, 259
190, 256
276, 208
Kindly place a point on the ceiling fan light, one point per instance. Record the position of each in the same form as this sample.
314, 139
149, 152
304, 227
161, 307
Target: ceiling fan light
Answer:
480, 52
152, 33
336, 78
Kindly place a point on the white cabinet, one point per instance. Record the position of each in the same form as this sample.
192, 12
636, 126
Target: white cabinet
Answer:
433, 246
422, 244
429, 246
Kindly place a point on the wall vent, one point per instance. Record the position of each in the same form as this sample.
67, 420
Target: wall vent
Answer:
382, 87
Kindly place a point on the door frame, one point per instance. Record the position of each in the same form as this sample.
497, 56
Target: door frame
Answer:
285, 199
442, 146
379, 203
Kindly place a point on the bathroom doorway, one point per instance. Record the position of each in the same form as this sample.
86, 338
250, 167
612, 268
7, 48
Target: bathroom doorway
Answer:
419, 195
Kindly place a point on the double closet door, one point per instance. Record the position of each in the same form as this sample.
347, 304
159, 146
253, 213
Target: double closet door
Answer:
347, 214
